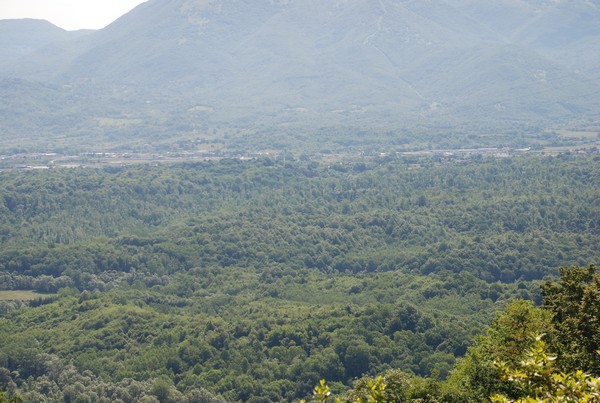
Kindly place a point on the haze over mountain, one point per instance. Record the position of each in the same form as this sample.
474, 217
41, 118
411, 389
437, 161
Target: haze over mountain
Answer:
189, 65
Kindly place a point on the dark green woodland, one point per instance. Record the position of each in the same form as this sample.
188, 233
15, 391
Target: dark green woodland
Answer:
253, 280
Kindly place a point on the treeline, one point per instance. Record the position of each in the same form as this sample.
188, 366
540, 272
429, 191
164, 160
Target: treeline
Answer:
252, 280
502, 220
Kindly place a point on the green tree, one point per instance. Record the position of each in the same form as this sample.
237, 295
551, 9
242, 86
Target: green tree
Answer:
476, 376
575, 306
356, 359
393, 386
537, 380
10, 399
161, 388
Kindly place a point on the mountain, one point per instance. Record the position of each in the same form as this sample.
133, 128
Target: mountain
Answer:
36, 48
560, 30
308, 63
19, 38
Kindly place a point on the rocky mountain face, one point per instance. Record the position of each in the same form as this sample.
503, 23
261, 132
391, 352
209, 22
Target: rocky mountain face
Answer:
341, 62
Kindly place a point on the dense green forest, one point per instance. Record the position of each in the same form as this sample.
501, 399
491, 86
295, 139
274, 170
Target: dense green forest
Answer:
252, 280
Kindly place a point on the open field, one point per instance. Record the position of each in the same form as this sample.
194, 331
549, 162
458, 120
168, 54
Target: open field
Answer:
20, 295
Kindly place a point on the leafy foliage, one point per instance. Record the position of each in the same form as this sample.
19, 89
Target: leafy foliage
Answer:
538, 380
575, 305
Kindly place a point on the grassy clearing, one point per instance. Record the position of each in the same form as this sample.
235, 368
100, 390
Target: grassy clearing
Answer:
20, 295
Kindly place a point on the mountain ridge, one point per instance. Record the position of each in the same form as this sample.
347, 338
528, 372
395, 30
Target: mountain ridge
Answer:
286, 62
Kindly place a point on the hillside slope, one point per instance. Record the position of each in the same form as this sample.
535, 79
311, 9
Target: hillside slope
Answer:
352, 63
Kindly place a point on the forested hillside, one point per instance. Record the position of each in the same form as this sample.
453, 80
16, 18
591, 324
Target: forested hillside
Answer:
252, 280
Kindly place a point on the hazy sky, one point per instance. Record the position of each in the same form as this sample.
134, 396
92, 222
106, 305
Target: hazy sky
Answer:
69, 14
